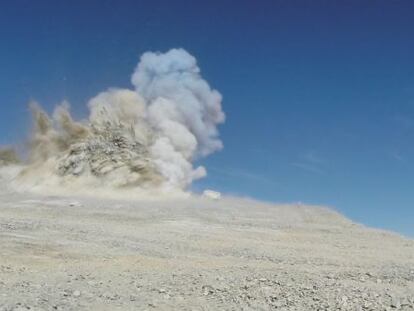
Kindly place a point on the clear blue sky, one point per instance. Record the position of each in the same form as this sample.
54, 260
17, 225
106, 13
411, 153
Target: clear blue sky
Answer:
319, 95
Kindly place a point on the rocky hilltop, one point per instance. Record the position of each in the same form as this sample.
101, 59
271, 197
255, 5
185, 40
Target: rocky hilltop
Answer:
60, 253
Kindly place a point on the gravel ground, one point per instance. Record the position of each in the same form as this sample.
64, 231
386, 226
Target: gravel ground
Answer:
61, 253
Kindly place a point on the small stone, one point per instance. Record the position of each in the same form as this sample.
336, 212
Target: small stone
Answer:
75, 204
76, 293
395, 303
207, 290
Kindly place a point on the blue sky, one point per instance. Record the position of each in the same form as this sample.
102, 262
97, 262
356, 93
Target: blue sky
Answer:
319, 95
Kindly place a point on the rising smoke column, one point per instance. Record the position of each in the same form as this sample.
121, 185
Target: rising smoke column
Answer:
147, 137
182, 108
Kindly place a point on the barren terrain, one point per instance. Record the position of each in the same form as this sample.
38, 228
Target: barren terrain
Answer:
59, 253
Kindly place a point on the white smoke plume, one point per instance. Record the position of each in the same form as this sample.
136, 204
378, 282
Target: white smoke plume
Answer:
145, 138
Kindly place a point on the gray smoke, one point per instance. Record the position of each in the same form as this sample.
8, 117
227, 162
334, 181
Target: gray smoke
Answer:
145, 138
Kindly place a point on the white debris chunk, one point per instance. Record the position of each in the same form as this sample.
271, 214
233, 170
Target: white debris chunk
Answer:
213, 195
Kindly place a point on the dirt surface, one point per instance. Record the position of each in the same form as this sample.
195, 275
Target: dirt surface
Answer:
59, 253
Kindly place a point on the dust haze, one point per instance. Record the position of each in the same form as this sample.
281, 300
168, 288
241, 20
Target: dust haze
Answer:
142, 140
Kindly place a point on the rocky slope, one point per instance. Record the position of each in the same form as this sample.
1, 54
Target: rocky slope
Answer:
88, 254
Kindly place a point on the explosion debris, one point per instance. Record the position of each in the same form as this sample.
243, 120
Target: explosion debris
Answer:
144, 138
